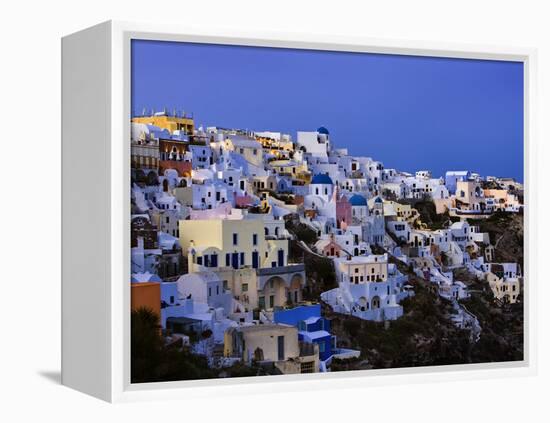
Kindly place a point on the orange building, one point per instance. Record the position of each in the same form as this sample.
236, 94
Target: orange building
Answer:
146, 295
170, 122
172, 156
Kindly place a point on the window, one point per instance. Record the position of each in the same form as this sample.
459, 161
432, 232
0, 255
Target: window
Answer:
255, 239
307, 367
199, 260
225, 285
228, 259
235, 239
209, 291
271, 301
244, 287
171, 299
242, 259
217, 290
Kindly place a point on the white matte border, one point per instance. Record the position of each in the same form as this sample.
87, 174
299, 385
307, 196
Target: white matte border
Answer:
122, 389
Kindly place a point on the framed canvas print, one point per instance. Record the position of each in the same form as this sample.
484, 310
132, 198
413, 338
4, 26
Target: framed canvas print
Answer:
246, 211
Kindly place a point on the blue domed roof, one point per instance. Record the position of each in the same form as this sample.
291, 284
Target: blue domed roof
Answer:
321, 179
358, 200
378, 200
323, 130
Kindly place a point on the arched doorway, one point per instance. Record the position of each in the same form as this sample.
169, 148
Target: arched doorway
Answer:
165, 185
375, 302
294, 292
363, 304
273, 293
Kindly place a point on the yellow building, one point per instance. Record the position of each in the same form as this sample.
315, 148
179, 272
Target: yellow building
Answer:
237, 243
362, 269
275, 145
276, 343
504, 289
401, 212
254, 268
171, 123
469, 194
503, 199
289, 167
249, 148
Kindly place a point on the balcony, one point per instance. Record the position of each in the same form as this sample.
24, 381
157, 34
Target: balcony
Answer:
291, 268
307, 349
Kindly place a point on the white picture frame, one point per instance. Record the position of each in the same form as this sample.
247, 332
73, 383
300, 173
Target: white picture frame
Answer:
96, 224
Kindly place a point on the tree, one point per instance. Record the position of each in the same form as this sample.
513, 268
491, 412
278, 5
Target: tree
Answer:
152, 361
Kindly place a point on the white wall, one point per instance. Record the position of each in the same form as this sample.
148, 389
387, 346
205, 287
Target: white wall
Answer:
30, 81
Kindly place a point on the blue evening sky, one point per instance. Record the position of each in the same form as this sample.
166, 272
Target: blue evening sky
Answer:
409, 112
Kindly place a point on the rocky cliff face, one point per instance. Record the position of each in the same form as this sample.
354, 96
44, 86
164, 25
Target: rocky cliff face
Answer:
506, 234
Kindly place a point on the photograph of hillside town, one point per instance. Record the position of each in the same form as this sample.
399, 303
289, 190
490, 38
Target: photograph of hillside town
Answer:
297, 211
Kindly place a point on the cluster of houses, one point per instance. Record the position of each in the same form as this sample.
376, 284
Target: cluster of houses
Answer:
210, 249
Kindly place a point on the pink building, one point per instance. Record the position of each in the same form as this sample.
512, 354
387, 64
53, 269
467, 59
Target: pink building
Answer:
329, 247
343, 210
